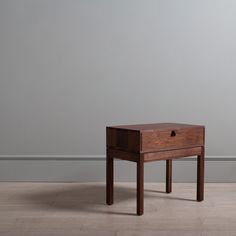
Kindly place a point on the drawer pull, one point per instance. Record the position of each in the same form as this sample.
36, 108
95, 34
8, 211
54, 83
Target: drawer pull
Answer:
173, 133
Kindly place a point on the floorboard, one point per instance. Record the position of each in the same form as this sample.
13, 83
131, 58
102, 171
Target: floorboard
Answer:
32, 209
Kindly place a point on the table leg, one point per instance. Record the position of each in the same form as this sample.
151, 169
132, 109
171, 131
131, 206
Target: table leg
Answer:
200, 176
168, 176
140, 185
109, 179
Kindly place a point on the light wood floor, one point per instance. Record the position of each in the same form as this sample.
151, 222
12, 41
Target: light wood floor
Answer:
55, 209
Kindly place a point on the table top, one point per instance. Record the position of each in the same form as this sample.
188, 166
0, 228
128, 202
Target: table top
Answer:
155, 126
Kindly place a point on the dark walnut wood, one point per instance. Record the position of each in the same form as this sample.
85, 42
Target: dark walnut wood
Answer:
151, 142
154, 137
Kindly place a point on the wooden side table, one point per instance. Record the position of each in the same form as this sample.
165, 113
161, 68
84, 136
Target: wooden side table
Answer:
153, 142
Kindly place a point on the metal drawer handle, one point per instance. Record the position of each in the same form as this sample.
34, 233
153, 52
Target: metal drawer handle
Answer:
173, 133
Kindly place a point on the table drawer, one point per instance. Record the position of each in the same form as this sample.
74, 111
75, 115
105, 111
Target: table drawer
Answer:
171, 139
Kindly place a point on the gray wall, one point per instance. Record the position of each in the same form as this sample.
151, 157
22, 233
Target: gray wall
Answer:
70, 68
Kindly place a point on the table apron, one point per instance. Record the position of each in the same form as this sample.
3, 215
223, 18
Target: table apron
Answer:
155, 156
172, 154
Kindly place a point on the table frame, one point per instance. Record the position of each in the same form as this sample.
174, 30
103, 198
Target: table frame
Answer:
141, 158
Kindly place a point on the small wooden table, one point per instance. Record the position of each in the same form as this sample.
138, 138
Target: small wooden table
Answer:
153, 142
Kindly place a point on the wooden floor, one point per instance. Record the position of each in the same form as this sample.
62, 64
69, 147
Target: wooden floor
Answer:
56, 209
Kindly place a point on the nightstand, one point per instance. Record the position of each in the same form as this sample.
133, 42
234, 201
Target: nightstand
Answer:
154, 142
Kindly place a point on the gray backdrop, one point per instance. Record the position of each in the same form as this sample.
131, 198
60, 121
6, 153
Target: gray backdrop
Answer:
70, 68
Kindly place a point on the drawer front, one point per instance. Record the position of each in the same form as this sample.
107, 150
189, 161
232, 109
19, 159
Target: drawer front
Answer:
172, 139
127, 140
